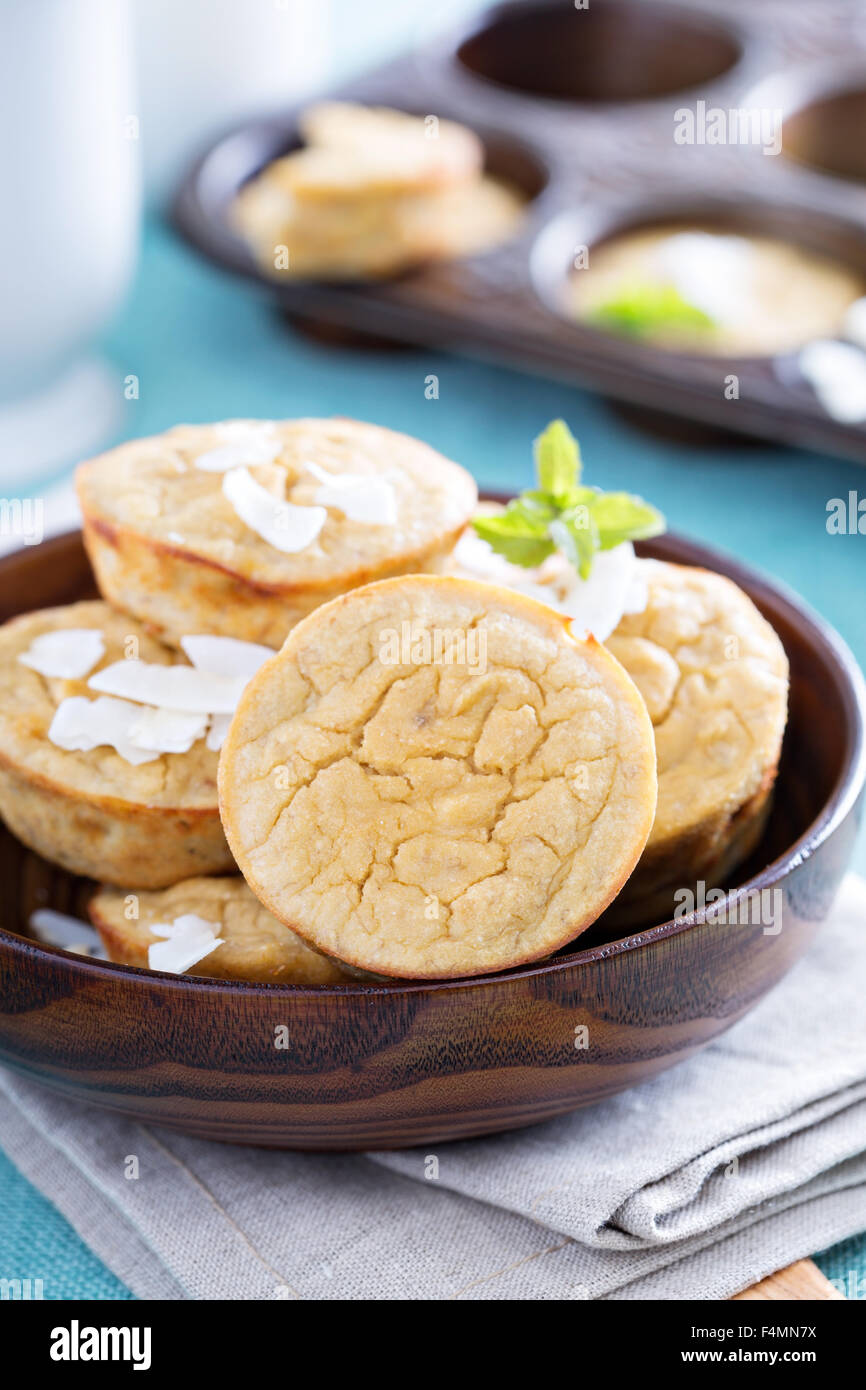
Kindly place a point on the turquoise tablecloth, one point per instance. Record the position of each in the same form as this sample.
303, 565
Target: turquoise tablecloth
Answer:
205, 347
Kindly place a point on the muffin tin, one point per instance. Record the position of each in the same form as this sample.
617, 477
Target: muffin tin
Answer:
576, 106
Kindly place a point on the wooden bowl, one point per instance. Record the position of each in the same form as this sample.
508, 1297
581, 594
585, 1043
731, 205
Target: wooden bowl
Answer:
375, 1066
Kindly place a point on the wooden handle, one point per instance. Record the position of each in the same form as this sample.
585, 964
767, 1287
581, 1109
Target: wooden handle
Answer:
802, 1280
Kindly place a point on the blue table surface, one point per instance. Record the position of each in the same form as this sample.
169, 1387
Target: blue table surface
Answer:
205, 346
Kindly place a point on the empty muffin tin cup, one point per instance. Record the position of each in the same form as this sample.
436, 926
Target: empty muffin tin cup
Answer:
827, 131
621, 51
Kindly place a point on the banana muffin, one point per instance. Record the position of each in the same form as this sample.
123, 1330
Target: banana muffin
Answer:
714, 676
242, 528
434, 778
207, 926
373, 192
111, 787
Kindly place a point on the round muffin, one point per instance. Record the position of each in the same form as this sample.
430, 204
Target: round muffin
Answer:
373, 192
434, 778
714, 676
93, 812
329, 504
352, 237
254, 946
383, 149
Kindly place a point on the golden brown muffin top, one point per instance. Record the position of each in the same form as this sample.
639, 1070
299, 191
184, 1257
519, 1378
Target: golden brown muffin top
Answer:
714, 676
254, 945
29, 701
423, 815
154, 488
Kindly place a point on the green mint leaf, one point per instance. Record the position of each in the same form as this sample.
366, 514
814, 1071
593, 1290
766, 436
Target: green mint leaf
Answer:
576, 535
621, 516
561, 513
519, 534
557, 461
641, 309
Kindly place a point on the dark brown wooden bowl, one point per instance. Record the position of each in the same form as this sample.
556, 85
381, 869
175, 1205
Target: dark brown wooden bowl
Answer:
374, 1066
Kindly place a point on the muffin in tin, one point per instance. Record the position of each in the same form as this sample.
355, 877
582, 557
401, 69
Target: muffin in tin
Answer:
248, 942
434, 778
242, 528
373, 192
714, 676
144, 820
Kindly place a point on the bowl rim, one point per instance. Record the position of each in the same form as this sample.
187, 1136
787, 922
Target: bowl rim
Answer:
841, 800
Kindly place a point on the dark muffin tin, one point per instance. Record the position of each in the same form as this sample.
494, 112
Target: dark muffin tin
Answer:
577, 107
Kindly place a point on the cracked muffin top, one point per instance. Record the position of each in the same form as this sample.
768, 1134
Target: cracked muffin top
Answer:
714, 676
434, 778
285, 504
29, 702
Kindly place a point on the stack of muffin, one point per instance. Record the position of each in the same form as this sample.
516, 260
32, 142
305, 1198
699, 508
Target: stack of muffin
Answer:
419, 773
108, 766
371, 193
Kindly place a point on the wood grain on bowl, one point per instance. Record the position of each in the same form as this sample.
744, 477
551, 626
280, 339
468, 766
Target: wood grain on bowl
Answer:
371, 1065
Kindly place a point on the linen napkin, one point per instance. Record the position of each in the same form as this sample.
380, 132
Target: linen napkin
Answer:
693, 1185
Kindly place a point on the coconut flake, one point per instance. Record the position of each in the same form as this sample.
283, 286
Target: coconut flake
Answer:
712, 272
245, 443
69, 653
854, 323
189, 938
369, 499
219, 727
225, 656
282, 524
80, 725
837, 374
596, 604
176, 688
58, 929
167, 730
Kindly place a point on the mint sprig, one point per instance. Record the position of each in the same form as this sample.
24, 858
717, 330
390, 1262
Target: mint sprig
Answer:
564, 514
640, 309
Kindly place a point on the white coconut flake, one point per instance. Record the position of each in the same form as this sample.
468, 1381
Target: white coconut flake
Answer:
80, 725
167, 730
219, 727
596, 604
71, 934
69, 653
189, 938
837, 374
177, 688
712, 272
225, 656
854, 323
245, 444
369, 499
616, 584
282, 524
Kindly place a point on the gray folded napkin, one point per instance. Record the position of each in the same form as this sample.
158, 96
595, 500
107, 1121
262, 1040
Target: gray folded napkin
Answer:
693, 1185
